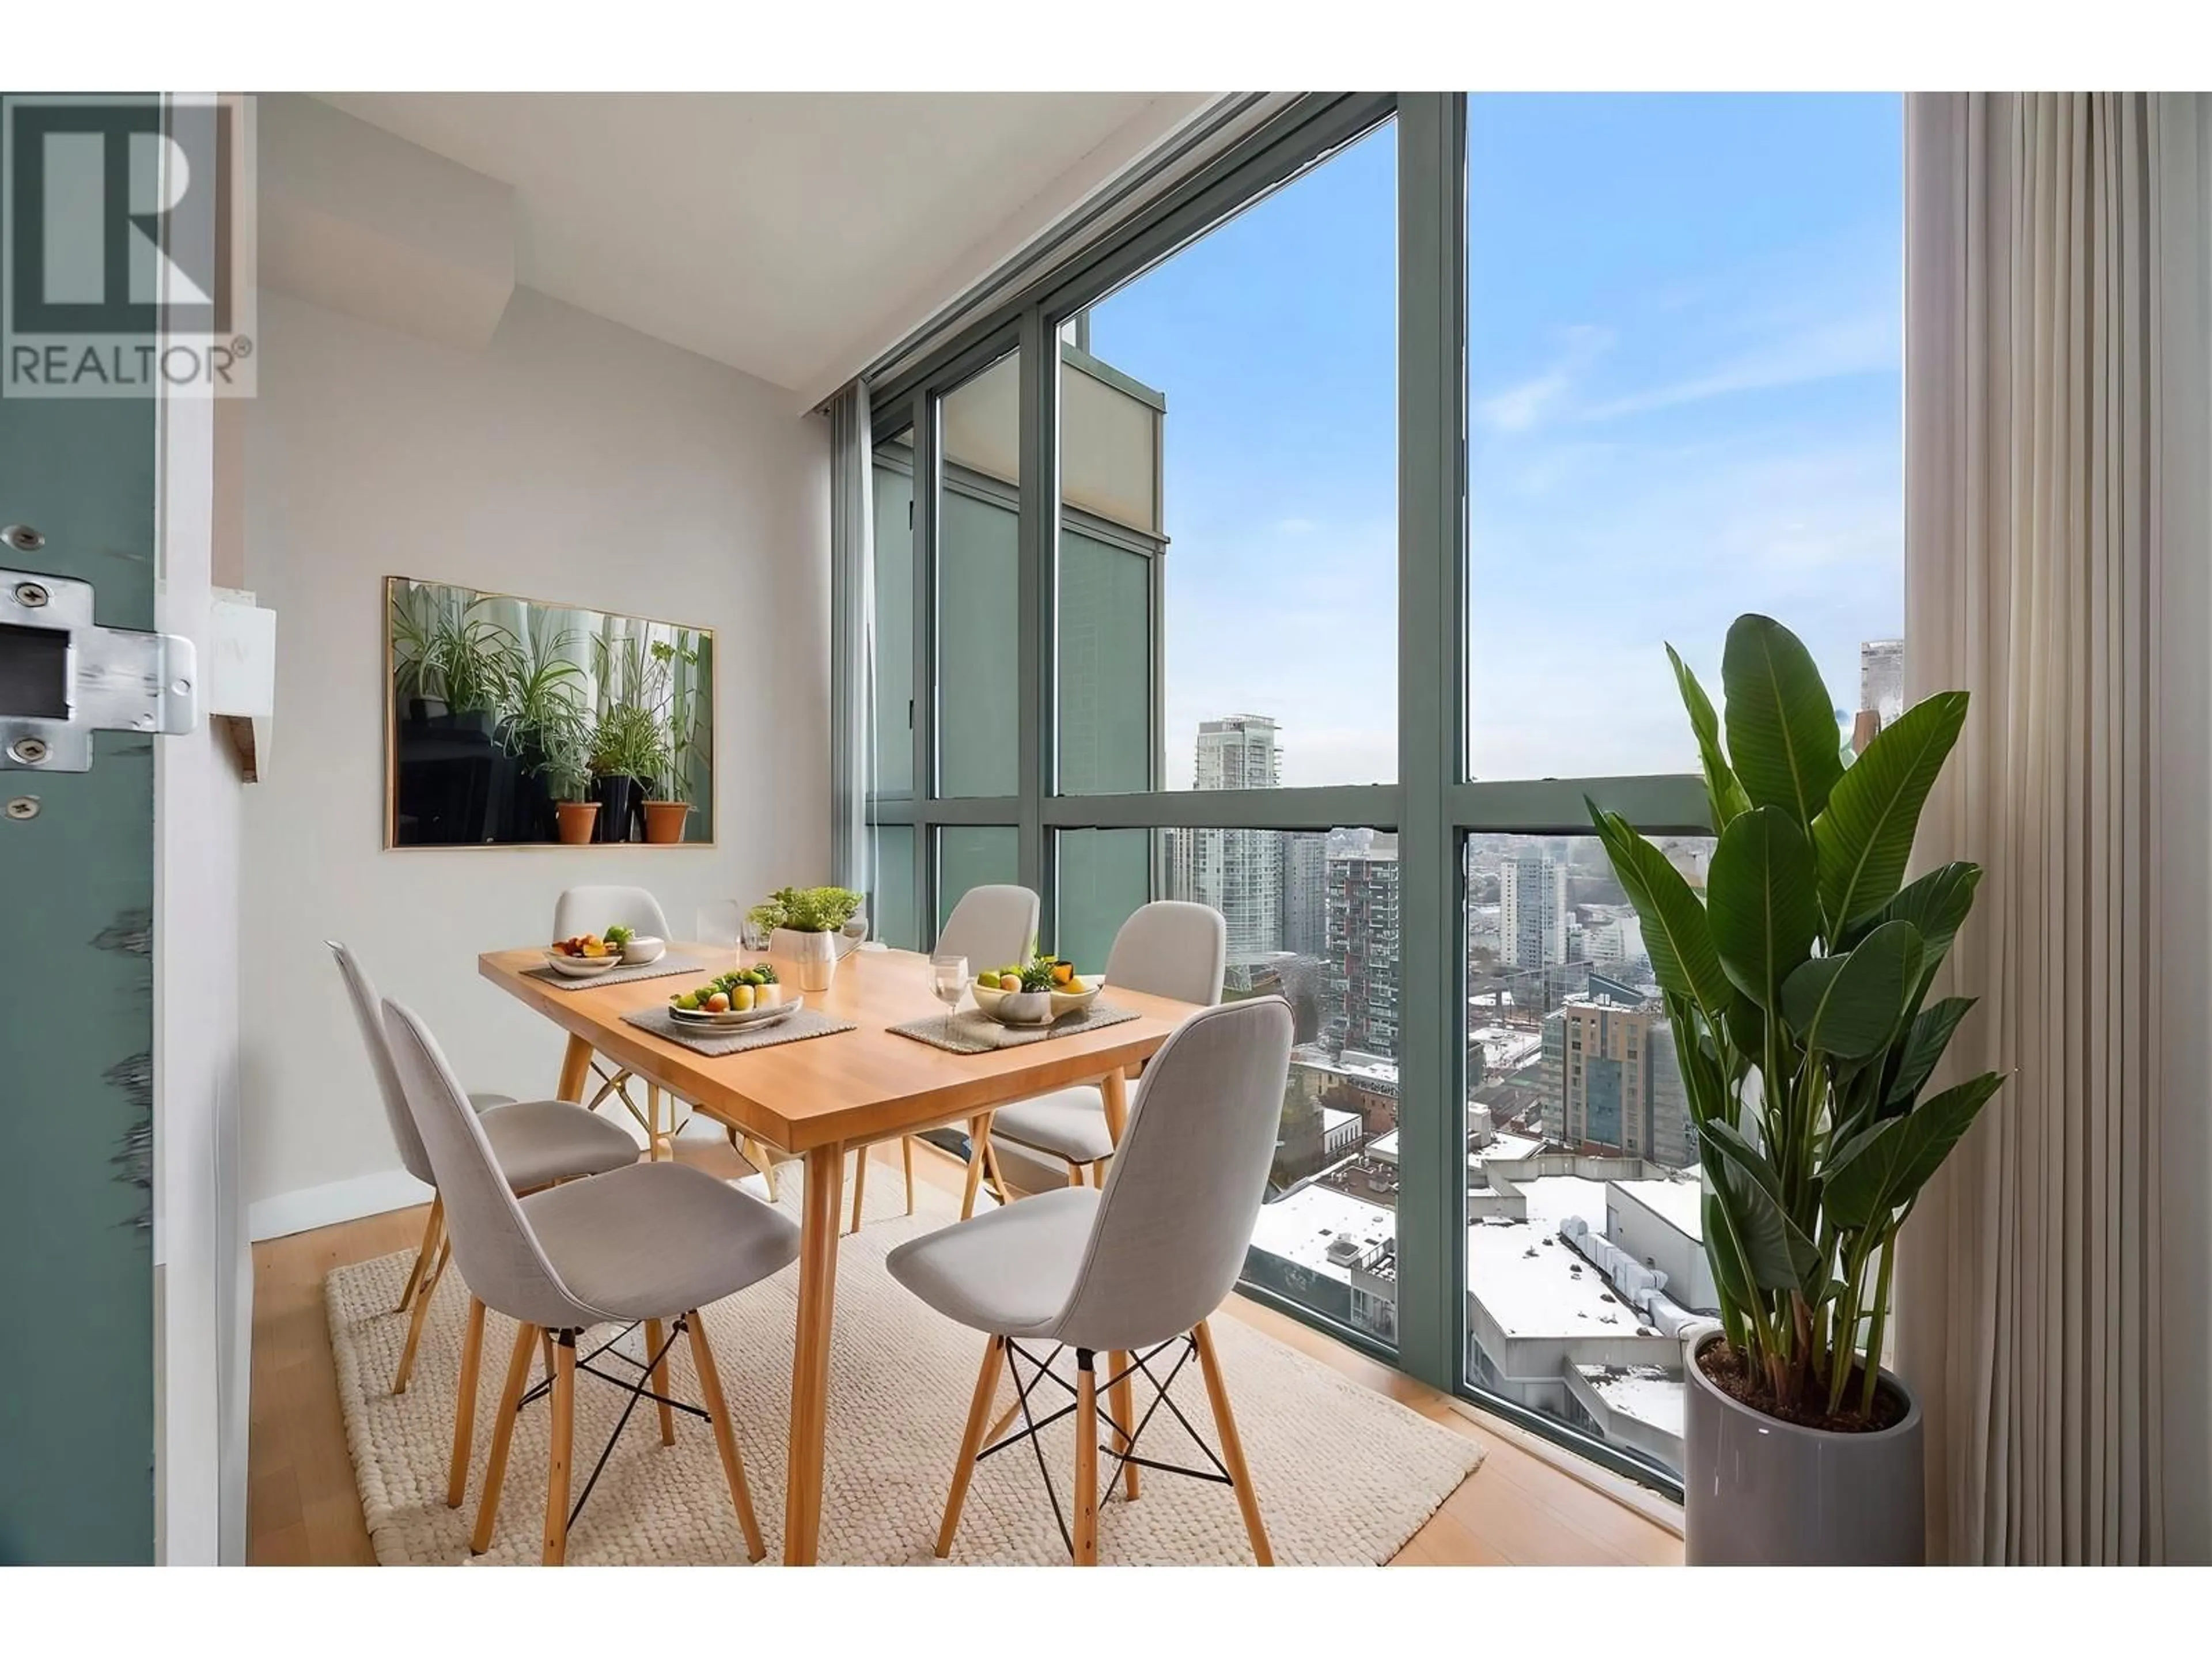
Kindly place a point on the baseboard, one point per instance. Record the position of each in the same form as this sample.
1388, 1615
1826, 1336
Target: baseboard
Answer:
340, 1200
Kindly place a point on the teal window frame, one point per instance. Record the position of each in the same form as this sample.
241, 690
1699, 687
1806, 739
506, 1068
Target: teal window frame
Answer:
1433, 805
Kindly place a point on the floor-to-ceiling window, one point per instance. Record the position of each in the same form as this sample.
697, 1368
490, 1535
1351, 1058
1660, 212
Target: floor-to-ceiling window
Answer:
1684, 359
1312, 553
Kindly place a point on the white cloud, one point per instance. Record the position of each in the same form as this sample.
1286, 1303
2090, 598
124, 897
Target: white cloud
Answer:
1865, 344
1518, 408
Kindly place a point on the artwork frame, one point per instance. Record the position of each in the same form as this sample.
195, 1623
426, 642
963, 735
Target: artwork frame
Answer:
514, 722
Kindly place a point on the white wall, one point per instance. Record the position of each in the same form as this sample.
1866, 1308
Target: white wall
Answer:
572, 460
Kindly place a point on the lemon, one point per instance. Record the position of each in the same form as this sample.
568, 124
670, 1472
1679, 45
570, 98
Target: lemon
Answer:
742, 998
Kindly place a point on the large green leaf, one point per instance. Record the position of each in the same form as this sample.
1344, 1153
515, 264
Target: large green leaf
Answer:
1777, 1254
1923, 1046
1763, 906
1722, 788
1677, 936
1782, 735
1863, 837
1880, 1170
1850, 1005
1936, 904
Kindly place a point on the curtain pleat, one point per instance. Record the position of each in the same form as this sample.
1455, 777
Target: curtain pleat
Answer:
2036, 1279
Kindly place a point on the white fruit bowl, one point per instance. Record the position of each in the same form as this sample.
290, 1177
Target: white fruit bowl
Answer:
582, 967
1014, 1007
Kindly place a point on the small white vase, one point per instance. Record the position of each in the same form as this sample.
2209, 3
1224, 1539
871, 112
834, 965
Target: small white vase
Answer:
810, 959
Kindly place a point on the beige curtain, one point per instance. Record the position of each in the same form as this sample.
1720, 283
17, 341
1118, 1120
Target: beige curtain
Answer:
2053, 1282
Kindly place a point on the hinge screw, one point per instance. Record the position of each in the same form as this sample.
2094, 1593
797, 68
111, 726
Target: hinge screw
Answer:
28, 752
23, 806
22, 538
31, 595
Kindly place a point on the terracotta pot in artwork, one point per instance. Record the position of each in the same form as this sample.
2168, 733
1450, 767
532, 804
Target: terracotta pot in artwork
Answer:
577, 818
664, 821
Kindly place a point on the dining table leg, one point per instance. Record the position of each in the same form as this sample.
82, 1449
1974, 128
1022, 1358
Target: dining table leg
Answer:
810, 1359
575, 1068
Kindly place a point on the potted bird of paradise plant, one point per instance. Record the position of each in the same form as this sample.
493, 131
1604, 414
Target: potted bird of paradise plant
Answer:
1798, 988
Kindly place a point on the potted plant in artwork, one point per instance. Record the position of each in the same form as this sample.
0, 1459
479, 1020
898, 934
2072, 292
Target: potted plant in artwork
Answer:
811, 930
629, 748
1797, 986
668, 806
540, 703
567, 769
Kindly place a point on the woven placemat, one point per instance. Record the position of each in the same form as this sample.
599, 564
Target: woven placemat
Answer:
975, 1032
795, 1028
670, 963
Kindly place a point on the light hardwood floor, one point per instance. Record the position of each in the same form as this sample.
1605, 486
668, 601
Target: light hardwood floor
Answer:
1523, 1507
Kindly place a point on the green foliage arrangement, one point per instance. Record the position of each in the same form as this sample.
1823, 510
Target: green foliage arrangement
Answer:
807, 909
1798, 991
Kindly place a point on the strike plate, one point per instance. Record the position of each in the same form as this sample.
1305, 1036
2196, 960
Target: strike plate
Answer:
63, 678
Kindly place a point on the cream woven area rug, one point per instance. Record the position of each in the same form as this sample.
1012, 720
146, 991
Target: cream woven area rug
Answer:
1344, 1476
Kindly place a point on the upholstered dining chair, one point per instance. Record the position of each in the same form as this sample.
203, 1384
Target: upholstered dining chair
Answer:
991, 925
1169, 948
593, 909
1127, 1273
649, 1243
536, 1142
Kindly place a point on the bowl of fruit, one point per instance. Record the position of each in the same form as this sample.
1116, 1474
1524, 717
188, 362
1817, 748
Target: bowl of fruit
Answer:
1019, 995
585, 955
637, 949
1072, 992
745, 996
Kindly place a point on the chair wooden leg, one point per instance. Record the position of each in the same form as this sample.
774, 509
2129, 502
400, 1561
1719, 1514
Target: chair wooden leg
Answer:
657, 1380
502, 1436
1233, 1448
557, 1460
424, 1252
423, 1300
725, 1433
979, 1141
1086, 1458
465, 1407
1122, 1408
971, 1440
657, 1148
1075, 1175
906, 1156
993, 1173
859, 1184
757, 1155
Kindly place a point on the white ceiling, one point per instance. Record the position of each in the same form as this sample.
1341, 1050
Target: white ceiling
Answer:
769, 231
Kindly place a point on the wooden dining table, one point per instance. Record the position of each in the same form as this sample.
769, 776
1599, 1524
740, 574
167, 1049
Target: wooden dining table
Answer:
821, 1096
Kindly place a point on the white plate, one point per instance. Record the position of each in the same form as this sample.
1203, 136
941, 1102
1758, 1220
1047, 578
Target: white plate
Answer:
580, 967
738, 1016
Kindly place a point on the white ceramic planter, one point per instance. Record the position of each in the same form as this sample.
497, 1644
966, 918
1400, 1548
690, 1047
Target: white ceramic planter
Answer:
1758, 1492
810, 960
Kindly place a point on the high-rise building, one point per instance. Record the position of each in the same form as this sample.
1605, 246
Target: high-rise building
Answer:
1363, 946
1533, 914
1611, 1079
1305, 895
1882, 679
1240, 871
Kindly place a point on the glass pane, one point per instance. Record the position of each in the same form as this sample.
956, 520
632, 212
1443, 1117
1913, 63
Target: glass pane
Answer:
894, 618
891, 912
973, 855
978, 609
1103, 875
1584, 1258
1106, 741
1228, 420
1327, 1236
1685, 357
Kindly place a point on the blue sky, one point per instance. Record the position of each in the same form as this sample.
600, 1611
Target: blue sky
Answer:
1685, 403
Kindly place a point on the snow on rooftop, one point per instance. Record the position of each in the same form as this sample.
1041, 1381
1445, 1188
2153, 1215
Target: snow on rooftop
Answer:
1678, 1203
1507, 1146
1646, 1393
1536, 1285
1299, 1228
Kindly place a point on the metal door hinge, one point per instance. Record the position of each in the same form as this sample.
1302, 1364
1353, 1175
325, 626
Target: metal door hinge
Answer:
63, 676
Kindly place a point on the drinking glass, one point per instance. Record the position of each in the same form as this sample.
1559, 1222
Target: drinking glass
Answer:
721, 928
755, 936
948, 978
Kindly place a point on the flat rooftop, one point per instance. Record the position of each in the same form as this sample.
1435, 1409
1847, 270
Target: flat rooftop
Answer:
1533, 1284
1646, 1393
1678, 1203
1299, 1228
